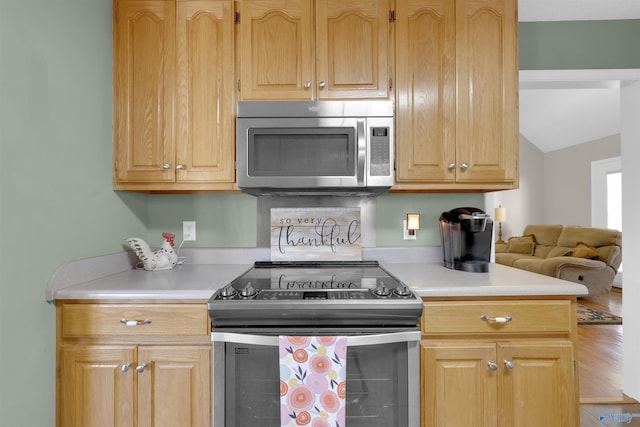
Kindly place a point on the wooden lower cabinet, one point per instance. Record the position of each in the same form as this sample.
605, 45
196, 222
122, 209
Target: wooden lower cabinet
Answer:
115, 378
510, 374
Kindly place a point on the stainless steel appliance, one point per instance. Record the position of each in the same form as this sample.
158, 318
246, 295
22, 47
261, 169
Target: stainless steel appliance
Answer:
305, 147
466, 239
360, 300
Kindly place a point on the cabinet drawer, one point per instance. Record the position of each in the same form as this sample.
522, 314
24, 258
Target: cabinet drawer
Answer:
155, 320
463, 317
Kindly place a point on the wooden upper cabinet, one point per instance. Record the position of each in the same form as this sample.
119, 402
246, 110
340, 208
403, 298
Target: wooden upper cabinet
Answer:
323, 49
205, 130
144, 87
352, 45
457, 95
173, 95
426, 90
276, 49
487, 114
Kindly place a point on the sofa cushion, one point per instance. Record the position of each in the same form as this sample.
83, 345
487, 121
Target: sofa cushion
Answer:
521, 245
509, 259
551, 266
592, 236
558, 251
546, 235
582, 250
543, 251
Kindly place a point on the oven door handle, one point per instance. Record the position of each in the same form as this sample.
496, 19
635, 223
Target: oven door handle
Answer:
352, 340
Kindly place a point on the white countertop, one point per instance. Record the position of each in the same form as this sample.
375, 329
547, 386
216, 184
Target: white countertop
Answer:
113, 277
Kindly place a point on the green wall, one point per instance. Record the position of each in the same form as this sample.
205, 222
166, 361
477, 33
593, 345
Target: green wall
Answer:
579, 45
56, 201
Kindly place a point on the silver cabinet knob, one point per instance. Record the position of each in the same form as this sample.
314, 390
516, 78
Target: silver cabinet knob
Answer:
509, 364
307, 85
125, 367
464, 166
493, 366
166, 166
322, 84
179, 167
452, 166
140, 368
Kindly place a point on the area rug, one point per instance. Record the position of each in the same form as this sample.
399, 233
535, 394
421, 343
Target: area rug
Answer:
591, 316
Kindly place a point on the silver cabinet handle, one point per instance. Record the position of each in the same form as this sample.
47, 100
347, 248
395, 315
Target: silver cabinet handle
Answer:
166, 166
322, 84
307, 85
493, 366
140, 368
452, 166
127, 322
179, 167
125, 367
464, 166
496, 319
509, 364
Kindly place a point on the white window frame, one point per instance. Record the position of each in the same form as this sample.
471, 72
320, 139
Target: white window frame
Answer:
599, 171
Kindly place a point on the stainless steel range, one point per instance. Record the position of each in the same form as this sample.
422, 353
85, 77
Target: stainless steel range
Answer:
377, 313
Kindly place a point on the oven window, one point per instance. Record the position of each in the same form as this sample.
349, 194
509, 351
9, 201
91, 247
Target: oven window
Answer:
377, 388
324, 151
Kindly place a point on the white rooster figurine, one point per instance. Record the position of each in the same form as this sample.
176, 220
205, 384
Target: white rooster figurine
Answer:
164, 258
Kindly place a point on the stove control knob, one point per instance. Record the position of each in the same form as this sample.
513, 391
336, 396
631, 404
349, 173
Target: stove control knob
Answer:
381, 290
228, 292
402, 290
248, 291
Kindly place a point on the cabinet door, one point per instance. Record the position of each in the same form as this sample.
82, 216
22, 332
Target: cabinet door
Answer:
538, 386
174, 389
94, 389
144, 54
276, 49
487, 81
459, 388
352, 38
204, 105
426, 91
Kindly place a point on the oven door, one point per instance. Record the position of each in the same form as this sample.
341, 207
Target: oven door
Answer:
383, 386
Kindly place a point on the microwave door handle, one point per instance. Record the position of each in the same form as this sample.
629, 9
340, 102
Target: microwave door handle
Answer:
352, 340
362, 151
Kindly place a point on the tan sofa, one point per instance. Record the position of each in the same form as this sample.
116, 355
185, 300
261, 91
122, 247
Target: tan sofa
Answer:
586, 255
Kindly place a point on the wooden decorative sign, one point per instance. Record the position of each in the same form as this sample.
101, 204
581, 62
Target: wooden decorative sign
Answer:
315, 234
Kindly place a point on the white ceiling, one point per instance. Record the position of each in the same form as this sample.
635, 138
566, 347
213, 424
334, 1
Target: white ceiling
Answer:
561, 109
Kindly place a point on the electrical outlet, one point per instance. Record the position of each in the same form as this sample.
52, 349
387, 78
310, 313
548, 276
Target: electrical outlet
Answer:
406, 234
188, 230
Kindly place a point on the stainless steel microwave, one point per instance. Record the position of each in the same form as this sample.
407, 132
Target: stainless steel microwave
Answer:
322, 147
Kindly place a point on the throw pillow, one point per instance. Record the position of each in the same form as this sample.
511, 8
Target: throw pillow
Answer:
582, 250
521, 244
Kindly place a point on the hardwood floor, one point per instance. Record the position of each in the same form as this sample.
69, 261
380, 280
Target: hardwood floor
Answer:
600, 369
600, 354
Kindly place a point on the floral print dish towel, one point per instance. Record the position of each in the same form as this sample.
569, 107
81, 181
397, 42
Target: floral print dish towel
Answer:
313, 373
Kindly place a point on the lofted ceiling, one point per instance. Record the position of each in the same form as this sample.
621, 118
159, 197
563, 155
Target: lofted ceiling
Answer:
562, 109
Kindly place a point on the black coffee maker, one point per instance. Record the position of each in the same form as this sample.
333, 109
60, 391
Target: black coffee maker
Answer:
466, 239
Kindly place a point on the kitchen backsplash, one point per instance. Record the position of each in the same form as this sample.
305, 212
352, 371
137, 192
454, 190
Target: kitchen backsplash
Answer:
233, 220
